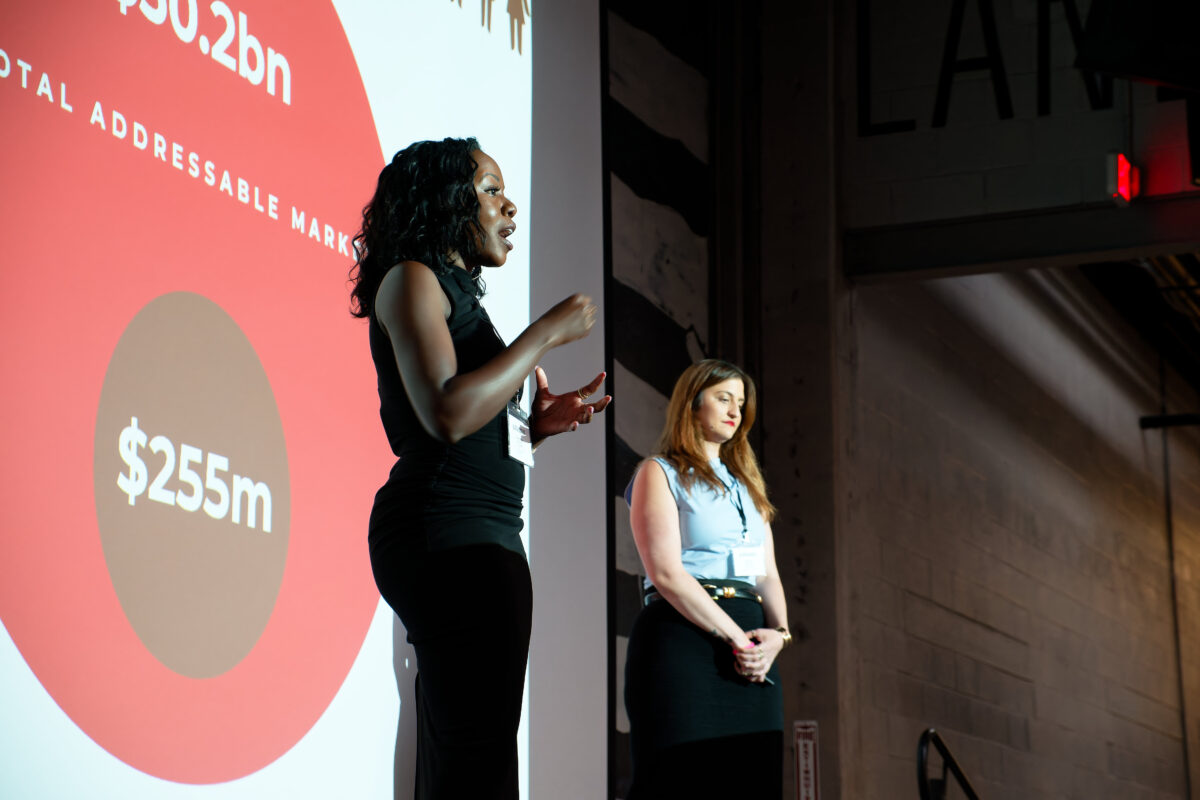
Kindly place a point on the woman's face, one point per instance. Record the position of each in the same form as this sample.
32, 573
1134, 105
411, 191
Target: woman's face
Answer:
720, 411
495, 212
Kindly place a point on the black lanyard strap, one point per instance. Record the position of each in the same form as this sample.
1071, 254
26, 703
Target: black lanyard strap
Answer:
735, 496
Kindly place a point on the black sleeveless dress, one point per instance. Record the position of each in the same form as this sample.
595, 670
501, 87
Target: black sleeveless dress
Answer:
447, 557
440, 495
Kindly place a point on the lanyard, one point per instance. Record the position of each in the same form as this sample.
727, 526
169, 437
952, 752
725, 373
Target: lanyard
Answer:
471, 276
516, 398
735, 496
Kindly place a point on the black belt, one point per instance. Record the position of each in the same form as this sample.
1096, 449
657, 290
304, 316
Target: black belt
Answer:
717, 591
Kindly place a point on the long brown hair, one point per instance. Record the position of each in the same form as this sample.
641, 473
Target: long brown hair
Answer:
682, 443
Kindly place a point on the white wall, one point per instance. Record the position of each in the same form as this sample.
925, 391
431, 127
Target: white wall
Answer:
568, 679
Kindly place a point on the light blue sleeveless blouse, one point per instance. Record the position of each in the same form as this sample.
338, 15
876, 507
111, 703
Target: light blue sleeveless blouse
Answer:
710, 524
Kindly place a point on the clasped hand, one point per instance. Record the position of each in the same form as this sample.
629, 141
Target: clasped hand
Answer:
753, 663
559, 413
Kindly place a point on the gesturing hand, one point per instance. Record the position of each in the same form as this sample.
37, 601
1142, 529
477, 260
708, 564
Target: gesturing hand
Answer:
558, 413
571, 319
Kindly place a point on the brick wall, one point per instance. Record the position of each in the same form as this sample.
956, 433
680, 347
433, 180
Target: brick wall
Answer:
978, 162
1002, 515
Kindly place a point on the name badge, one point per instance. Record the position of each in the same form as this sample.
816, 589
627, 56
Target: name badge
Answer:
749, 561
520, 440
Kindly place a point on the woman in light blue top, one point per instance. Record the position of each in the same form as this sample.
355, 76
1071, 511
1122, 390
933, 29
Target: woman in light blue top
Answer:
701, 682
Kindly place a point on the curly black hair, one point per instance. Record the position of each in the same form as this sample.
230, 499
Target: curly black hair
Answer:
424, 209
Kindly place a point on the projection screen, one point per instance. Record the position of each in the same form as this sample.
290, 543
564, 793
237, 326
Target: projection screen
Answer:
186, 603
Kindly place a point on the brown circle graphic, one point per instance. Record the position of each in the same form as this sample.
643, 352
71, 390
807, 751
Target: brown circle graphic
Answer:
191, 483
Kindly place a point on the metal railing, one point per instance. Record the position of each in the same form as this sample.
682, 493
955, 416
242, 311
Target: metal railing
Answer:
935, 788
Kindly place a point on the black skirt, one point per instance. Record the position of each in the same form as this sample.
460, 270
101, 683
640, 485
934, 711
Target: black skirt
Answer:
695, 724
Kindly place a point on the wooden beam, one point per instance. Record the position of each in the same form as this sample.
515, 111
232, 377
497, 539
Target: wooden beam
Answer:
1054, 237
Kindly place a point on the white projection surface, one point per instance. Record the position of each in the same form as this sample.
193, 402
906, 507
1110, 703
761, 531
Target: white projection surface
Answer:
188, 176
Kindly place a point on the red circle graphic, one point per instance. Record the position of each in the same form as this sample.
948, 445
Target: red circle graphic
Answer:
95, 227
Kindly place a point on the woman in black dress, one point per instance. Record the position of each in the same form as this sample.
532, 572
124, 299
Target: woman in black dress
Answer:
444, 531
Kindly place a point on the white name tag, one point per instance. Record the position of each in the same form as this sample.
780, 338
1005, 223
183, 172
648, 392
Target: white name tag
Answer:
749, 561
520, 440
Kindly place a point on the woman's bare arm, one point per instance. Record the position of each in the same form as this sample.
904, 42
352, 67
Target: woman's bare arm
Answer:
412, 309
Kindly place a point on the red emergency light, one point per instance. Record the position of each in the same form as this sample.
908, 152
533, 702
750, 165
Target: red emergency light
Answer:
1124, 179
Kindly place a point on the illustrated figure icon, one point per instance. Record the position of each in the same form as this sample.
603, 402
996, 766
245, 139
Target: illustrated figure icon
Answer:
517, 11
